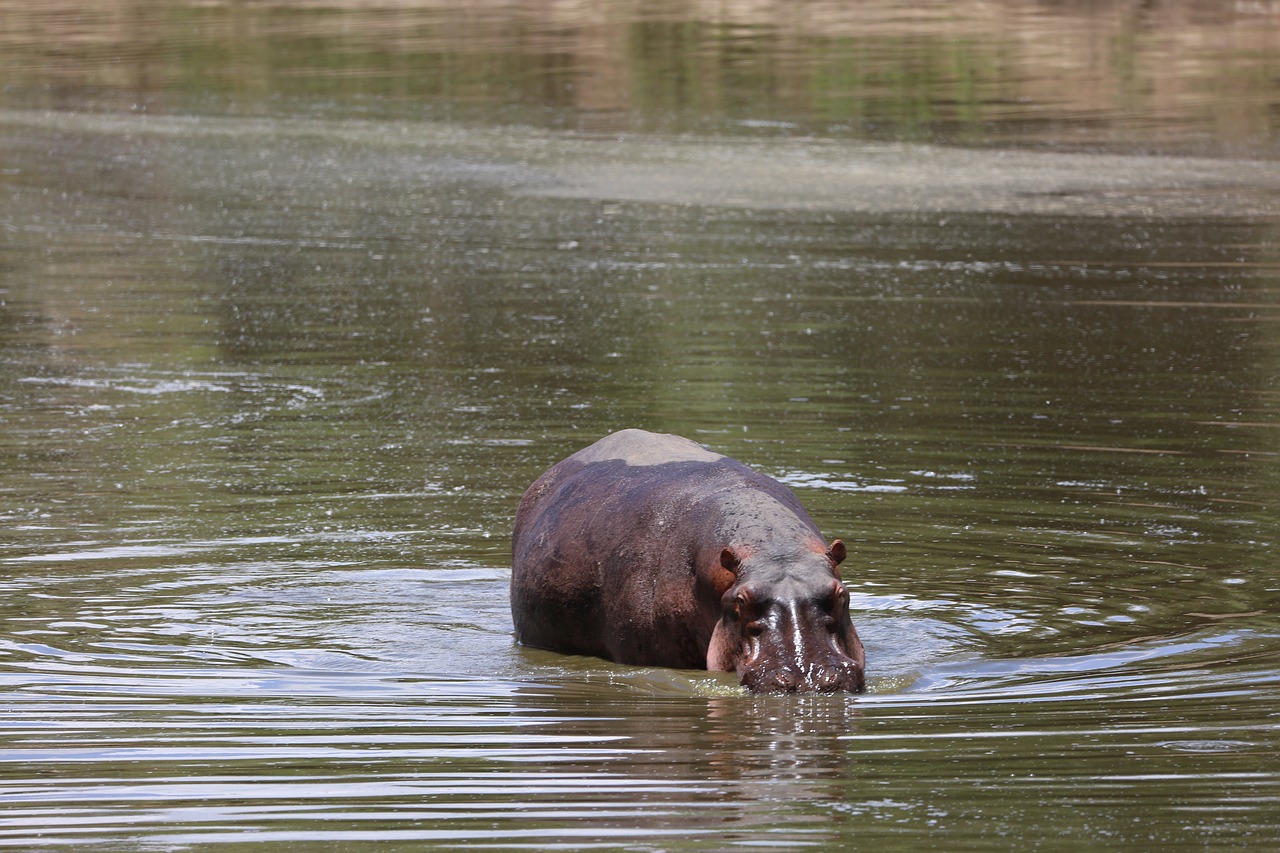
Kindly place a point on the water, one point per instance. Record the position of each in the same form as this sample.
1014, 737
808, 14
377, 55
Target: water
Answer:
295, 303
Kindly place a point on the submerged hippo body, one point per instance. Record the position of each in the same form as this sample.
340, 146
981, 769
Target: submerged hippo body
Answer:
650, 549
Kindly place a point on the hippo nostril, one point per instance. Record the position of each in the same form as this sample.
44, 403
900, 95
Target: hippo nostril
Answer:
827, 677
785, 679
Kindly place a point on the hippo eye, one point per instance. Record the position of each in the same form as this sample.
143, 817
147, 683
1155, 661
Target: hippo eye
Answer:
754, 628
836, 600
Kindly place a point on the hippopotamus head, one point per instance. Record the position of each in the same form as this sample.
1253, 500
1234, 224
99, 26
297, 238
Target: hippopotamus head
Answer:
784, 625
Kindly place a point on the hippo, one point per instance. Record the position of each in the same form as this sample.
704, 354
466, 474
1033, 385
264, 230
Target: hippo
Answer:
653, 550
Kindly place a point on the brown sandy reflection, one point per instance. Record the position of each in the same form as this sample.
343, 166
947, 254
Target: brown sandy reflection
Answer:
1189, 76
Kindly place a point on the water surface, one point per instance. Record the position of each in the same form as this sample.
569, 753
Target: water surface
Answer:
280, 351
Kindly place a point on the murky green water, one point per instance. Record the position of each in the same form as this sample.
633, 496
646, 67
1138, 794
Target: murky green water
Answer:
295, 301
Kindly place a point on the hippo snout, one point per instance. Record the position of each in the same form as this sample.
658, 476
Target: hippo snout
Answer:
818, 678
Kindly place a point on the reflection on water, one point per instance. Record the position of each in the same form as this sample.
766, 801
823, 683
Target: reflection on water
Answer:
1184, 75
278, 358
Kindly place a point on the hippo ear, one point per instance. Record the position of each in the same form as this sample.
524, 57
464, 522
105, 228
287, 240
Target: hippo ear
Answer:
725, 575
837, 551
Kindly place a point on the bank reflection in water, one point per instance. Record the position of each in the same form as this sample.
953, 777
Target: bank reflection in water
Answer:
1182, 75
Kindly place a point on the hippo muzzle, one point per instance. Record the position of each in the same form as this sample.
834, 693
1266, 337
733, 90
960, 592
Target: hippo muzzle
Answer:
834, 677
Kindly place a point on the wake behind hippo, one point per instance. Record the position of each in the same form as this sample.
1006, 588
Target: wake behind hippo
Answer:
650, 549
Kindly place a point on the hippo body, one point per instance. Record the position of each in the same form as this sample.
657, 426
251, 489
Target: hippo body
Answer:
650, 549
